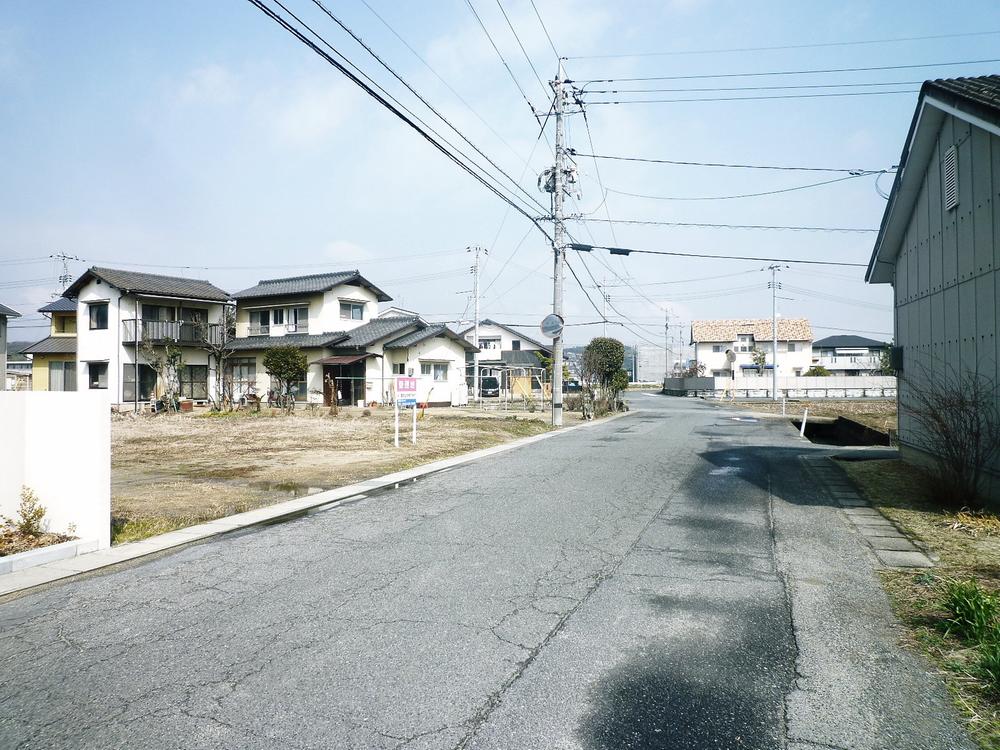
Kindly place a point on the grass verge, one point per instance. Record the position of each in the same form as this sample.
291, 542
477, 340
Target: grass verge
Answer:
952, 614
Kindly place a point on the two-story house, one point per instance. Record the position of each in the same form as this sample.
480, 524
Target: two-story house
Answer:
53, 359
726, 348
116, 311
504, 351
849, 355
5, 313
353, 353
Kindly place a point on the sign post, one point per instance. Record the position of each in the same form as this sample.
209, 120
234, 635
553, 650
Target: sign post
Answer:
406, 395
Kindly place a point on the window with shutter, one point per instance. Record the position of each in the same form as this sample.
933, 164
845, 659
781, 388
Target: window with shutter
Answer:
950, 190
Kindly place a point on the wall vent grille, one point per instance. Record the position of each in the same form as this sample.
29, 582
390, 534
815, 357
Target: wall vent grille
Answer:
950, 178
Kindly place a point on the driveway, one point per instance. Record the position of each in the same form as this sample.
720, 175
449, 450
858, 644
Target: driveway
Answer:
672, 579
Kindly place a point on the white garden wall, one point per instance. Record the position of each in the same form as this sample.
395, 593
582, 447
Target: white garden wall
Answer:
59, 445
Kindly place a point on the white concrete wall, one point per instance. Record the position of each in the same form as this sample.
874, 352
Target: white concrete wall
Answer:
438, 349
69, 472
3, 352
860, 386
328, 318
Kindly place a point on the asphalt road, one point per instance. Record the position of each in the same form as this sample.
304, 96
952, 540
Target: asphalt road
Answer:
671, 579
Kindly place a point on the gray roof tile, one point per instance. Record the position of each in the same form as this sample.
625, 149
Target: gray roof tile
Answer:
376, 330
150, 283
411, 339
832, 342
312, 284
7, 312
53, 345
984, 90
62, 304
303, 341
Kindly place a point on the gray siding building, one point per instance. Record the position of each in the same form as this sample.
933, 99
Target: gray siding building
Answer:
937, 244
5, 312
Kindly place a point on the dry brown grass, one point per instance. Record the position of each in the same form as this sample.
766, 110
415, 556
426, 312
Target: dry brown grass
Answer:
968, 547
879, 414
171, 471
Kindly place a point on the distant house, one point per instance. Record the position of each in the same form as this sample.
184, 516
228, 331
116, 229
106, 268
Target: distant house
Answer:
939, 243
849, 355
353, 353
504, 351
5, 313
116, 311
53, 359
714, 339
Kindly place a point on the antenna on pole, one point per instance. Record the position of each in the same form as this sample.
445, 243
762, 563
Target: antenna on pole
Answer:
65, 277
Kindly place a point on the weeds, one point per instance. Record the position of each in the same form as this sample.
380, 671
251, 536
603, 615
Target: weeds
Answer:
29, 515
973, 614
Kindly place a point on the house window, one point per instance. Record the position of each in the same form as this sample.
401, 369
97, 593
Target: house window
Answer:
147, 383
98, 316
241, 375
399, 368
489, 344
352, 311
744, 342
438, 370
515, 345
158, 312
278, 316
298, 320
792, 346
62, 376
64, 323
97, 374
259, 322
716, 347
194, 381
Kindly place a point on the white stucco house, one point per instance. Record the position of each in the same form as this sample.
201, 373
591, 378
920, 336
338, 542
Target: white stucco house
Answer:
712, 339
849, 355
939, 248
5, 313
353, 352
117, 310
504, 351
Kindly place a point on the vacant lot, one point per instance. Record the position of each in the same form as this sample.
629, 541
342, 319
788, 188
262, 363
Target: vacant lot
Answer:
879, 414
177, 470
968, 545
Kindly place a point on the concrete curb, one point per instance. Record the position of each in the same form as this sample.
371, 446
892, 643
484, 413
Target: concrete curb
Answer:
21, 581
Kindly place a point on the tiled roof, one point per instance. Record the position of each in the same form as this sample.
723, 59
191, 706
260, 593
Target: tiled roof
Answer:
53, 345
62, 304
312, 284
984, 90
411, 339
6, 311
727, 331
376, 330
848, 342
303, 341
150, 283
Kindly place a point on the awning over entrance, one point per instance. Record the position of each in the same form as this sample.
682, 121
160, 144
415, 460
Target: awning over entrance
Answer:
343, 359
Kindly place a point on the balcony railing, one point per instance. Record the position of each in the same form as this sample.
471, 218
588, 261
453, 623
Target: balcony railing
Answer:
302, 327
158, 331
257, 329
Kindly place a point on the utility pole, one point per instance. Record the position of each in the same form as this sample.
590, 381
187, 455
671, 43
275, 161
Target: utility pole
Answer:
475, 336
604, 297
558, 247
64, 277
774, 286
666, 344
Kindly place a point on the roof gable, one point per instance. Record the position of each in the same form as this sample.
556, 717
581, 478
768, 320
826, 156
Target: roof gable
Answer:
848, 342
140, 282
8, 312
311, 284
514, 331
62, 304
376, 330
974, 100
727, 331
415, 337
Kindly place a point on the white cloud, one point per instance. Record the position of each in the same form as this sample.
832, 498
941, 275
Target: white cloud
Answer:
210, 84
312, 112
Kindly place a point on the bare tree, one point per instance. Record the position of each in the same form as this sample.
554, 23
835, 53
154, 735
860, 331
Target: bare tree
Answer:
166, 363
957, 417
217, 340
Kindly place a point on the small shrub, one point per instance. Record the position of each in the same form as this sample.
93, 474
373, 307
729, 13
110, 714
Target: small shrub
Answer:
988, 666
973, 614
601, 407
366, 413
29, 515
573, 402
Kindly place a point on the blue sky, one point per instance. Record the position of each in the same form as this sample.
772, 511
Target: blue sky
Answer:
201, 134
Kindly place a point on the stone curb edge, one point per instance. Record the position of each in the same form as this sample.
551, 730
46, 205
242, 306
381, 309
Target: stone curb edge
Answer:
26, 580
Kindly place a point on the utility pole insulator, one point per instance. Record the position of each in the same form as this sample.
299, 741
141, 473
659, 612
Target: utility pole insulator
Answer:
558, 243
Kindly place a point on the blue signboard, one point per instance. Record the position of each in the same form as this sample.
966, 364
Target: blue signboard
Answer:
406, 401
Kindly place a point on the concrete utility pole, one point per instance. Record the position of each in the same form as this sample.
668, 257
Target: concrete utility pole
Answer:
604, 297
558, 247
475, 335
774, 286
666, 344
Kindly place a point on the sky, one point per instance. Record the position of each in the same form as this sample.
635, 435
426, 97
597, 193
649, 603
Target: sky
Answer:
201, 139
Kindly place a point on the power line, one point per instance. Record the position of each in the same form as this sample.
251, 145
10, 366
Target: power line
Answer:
752, 98
259, 4
710, 256
734, 197
852, 330
710, 89
811, 71
544, 29
426, 103
705, 225
502, 59
523, 50
813, 45
731, 165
